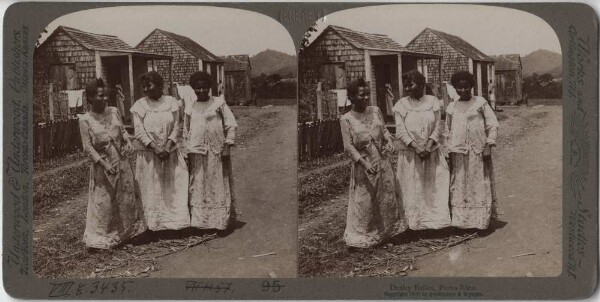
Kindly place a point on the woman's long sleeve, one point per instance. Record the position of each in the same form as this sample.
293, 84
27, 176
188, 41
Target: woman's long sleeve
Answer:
386, 134
436, 133
124, 132
230, 124
176, 131
491, 124
347, 140
86, 141
401, 132
140, 131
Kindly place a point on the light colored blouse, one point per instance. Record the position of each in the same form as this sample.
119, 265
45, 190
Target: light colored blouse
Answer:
470, 125
209, 125
360, 130
156, 121
417, 120
100, 130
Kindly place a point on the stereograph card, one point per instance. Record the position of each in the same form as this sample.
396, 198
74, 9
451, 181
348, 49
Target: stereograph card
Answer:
300, 151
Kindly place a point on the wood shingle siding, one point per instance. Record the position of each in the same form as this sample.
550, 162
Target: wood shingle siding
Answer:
187, 55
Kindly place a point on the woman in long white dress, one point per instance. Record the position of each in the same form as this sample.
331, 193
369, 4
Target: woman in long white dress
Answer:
375, 213
114, 211
210, 127
161, 171
422, 171
472, 130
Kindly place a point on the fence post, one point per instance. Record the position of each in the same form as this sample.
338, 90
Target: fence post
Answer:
51, 101
319, 101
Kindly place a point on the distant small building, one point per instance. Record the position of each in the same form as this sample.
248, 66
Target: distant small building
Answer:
238, 72
457, 54
69, 58
188, 57
509, 79
340, 55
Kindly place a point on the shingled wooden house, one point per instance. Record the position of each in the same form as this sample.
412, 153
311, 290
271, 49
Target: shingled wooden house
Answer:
69, 58
238, 72
457, 55
509, 79
188, 57
340, 55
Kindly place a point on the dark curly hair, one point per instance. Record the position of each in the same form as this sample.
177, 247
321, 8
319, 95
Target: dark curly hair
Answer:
91, 88
153, 77
462, 76
353, 87
200, 76
414, 76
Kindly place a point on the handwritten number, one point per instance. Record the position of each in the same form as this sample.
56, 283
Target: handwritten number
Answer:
115, 288
95, 287
80, 289
274, 287
123, 287
104, 287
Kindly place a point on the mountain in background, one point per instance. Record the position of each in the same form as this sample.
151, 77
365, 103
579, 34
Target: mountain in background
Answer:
274, 62
542, 61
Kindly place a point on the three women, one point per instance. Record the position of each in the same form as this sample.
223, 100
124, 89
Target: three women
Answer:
161, 195
424, 186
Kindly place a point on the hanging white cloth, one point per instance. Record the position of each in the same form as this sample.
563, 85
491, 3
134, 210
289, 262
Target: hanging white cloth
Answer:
187, 94
75, 98
452, 92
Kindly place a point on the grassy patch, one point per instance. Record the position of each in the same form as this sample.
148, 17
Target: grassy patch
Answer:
52, 189
315, 188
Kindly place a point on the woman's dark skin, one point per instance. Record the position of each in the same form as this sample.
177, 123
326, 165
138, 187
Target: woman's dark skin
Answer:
463, 89
360, 102
416, 91
154, 92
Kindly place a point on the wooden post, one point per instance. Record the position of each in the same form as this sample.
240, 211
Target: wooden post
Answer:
98, 65
479, 83
154, 65
319, 102
400, 85
131, 81
368, 76
170, 74
200, 67
51, 101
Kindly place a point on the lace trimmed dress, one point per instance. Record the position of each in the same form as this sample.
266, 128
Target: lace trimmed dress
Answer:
211, 126
470, 125
114, 211
163, 183
423, 183
375, 212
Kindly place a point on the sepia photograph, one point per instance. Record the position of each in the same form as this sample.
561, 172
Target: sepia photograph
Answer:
162, 145
430, 143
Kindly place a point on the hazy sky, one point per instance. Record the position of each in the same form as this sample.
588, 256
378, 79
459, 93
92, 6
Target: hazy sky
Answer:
493, 30
223, 31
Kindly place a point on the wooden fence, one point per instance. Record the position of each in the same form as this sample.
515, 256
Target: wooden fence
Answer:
319, 139
56, 138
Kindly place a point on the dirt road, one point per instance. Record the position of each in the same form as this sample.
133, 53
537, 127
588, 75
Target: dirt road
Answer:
264, 165
529, 181
525, 242
265, 188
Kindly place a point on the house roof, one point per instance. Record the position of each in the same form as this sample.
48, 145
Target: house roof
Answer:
367, 40
461, 45
97, 41
191, 46
236, 62
370, 41
101, 42
508, 62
